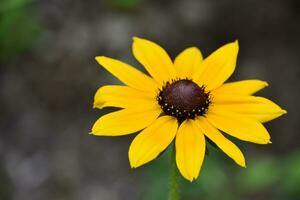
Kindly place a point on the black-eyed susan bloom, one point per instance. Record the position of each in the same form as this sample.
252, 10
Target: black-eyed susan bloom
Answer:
186, 101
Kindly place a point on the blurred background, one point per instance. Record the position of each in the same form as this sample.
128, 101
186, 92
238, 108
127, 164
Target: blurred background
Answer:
48, 77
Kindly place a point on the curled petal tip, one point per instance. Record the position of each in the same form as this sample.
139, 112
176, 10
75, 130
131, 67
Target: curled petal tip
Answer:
266, 83
132, 166
132, 163
94, 105
243, 164
191, 179
97, 105
284, 111
235, 44
135, 38
99, 57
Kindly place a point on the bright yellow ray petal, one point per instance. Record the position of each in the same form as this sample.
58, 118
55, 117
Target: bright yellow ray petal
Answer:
190, 149
223, 143
239, 126
154, 58
218, 67
148, 144
126, 121
258, 108
123, 97
188, 62
245, 87
127, 74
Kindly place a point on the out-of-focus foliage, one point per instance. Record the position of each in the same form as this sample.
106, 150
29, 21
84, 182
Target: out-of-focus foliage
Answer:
18, 27
125, 4
291, 172
6, 189
220, 178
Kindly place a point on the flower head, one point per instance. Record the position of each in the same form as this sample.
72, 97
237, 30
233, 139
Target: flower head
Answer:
186, 100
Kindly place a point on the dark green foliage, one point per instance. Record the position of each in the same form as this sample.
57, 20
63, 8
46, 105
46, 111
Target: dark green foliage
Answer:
18, 28
221, 178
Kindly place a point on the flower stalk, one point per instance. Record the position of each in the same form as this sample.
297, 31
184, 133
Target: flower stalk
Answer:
174, 175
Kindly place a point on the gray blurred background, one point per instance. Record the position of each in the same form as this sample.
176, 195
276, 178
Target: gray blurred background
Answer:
48, 77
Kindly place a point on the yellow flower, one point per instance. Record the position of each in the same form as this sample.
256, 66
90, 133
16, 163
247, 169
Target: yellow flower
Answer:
185, 100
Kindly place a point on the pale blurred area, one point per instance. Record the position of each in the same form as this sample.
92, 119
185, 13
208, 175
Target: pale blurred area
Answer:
48, 77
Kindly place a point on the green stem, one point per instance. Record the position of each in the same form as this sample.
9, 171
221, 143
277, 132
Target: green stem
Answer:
174, 185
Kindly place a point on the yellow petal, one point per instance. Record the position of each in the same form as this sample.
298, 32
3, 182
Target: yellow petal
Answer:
258, 108
148, 144
127, 74
154, 58
223, 143
218, 67
188, 62
245, 87
126, 121
123, 97
190, 149
239, 126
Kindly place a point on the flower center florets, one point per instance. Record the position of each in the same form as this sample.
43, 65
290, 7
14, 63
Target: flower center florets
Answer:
183, 99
